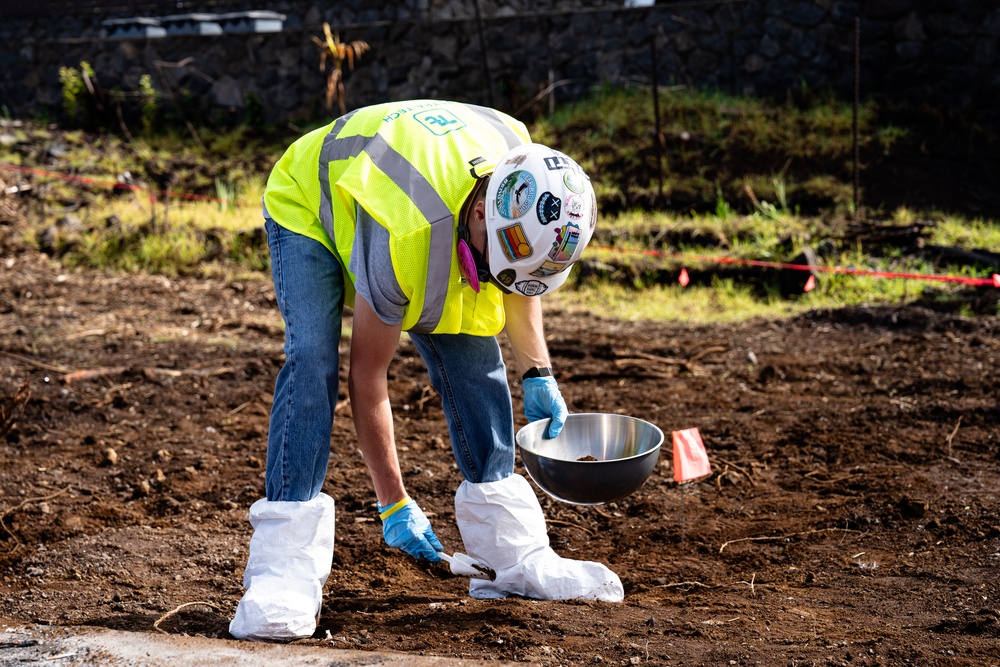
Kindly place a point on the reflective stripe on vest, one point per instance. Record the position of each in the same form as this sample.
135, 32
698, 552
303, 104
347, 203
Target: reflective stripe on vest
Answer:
505, 131
413, 184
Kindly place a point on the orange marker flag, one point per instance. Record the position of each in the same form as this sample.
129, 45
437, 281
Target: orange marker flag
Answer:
690, 458
684, 279
810, 284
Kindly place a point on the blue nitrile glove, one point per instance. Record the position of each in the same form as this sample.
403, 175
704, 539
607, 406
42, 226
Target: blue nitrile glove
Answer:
542, 399
405, 526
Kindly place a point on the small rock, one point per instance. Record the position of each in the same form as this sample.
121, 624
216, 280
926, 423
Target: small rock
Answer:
911, 508
143, 488
108, 457
160, 477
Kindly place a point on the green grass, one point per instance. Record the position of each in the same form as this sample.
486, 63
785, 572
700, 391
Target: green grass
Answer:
129, 233
724, 301
747, 180
715, 147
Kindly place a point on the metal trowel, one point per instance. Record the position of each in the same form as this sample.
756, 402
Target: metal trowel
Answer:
464, 566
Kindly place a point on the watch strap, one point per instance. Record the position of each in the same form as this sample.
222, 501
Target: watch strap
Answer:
536, 372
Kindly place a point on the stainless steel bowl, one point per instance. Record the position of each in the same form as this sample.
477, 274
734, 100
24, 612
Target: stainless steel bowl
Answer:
597, 458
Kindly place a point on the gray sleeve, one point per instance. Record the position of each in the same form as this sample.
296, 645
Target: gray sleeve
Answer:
374, 277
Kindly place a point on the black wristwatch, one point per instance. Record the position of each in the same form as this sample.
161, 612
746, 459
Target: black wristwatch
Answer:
544, 372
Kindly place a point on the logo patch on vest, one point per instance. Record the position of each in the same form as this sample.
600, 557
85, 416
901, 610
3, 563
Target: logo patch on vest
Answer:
516, 194
564, 246
531, 287
549, 208
439, 121
514, 243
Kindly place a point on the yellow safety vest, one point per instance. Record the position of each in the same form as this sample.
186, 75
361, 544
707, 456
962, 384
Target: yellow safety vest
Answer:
411, 165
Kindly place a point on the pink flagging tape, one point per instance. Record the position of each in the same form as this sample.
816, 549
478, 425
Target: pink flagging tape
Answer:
690, 457
810, 284
976, 282
684, 278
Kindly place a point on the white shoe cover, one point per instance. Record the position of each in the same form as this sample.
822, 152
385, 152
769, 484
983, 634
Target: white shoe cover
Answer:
291, 553
502, 525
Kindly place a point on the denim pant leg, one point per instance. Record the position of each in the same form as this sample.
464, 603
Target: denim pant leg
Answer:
469, 373
309, 286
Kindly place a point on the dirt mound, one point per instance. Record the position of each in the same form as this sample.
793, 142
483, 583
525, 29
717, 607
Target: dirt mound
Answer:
852, 516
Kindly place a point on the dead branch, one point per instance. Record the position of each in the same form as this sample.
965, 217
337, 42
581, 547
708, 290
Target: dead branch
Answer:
570, 524
771, 538
736, 467
198, 372
831, 480
642, 359
707, 351
92, 374
952, 436
35, 364
597, 510
156, 625
685, 583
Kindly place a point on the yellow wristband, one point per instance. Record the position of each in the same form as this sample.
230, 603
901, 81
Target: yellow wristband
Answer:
392, 509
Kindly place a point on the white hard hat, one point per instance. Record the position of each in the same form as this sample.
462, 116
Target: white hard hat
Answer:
541, 211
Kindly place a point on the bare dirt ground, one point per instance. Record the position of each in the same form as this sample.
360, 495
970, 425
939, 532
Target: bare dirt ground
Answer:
853, 516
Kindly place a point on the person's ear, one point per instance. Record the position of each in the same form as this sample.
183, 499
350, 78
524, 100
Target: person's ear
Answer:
479, 211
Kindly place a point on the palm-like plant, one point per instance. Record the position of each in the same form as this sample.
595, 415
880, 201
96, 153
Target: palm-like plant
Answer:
332, 48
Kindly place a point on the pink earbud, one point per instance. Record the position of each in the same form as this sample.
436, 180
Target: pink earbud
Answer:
468, 265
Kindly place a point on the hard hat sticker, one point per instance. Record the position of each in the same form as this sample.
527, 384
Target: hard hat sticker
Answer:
516, 194
514, 243
574, 207
593, 210
549, 208
558, 161
574, 181
506, 277
439, 121
564, 246
549, 269
531, 287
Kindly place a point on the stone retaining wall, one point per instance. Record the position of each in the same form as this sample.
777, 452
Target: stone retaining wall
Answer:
940, 52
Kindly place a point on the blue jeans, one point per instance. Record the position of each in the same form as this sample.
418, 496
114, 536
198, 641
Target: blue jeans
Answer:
468, 372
